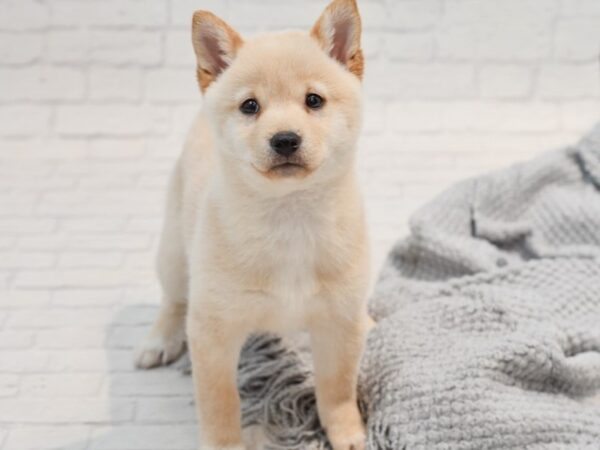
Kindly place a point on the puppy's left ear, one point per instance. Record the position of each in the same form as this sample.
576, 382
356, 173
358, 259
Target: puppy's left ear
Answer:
338, 32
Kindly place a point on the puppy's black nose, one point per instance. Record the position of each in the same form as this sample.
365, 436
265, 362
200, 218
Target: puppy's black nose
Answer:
285, 142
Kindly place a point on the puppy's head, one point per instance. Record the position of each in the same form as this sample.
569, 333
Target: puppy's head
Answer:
285, 107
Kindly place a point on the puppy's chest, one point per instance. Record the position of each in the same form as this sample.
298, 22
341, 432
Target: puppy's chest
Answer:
290, 257
276, 264
291, 290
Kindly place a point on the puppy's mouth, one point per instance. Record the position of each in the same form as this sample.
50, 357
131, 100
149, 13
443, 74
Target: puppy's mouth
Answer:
288, 169
293, 166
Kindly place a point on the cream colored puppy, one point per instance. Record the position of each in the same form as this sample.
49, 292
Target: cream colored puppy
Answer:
264, 228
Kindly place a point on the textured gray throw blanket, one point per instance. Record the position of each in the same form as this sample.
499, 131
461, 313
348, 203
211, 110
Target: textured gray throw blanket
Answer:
488, 333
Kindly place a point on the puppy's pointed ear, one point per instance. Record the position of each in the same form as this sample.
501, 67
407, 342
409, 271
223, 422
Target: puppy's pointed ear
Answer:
338, 31
215, 45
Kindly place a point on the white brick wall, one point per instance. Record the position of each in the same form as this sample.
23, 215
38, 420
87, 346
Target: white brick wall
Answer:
95, 98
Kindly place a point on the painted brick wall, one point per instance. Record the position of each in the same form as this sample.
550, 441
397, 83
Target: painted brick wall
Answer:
95, 98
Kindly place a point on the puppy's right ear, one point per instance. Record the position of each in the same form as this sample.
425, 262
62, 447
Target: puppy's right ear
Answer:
215, 45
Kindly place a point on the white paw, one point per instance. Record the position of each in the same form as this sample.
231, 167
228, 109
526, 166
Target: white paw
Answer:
229, 447
159, 351
352, 441
351, 437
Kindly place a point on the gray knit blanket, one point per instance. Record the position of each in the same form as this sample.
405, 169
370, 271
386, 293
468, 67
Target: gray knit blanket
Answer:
488, 333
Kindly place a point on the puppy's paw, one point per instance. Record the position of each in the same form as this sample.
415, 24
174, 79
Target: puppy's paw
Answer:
354, 441
346, 430
159, 351
229, 447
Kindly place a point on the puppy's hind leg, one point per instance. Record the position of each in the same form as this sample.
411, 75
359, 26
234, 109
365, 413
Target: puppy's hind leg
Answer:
166, 340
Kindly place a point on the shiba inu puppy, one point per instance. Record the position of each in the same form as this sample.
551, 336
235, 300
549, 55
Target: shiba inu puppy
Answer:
264, 228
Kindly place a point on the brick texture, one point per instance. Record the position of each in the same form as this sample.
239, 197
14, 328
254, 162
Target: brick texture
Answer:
95, 100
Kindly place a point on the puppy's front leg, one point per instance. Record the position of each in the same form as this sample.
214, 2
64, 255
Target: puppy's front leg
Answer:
214, 351
337, 347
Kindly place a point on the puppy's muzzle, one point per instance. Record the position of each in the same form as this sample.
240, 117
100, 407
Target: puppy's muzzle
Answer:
285, 143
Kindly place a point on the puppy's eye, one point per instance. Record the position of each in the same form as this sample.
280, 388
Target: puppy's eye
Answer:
314, 101
250, 107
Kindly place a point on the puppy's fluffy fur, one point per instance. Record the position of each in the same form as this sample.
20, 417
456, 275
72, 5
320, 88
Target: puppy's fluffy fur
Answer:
256, 241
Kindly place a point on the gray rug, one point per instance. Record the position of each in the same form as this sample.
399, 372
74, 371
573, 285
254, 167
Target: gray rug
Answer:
488, 333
